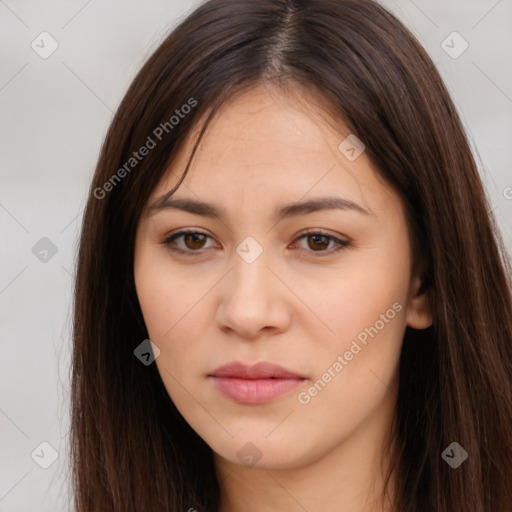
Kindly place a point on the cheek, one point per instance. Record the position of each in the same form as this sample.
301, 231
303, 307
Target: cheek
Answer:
356, 370
165, 296
369, 331
170, 304
365, 298
367, 311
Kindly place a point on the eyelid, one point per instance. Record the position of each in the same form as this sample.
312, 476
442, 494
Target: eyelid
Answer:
184, 231
340, 242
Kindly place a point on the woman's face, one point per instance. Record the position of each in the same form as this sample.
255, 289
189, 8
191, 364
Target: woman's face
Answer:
330, 307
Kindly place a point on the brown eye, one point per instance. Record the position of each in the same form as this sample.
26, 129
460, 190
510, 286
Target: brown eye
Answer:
319, 242
193, 241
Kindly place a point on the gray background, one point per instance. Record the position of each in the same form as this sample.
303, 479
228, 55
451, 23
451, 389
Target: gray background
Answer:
54, 115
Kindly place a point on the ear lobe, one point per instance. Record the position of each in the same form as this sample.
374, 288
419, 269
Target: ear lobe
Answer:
419, 312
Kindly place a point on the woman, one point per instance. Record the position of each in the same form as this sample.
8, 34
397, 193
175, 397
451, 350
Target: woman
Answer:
316, 313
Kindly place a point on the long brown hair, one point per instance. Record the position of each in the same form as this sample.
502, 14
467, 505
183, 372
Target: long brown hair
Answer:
131, 450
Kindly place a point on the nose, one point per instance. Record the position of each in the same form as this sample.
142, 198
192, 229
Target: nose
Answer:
253, 299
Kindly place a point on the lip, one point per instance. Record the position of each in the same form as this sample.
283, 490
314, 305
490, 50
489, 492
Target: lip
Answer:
256, 384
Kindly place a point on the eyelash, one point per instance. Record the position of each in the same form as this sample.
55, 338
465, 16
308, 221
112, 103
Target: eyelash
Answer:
341, 244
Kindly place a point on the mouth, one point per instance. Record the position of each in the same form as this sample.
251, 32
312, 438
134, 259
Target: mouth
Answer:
256, 384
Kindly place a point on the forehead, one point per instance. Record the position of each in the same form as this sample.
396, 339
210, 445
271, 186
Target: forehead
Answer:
265, 145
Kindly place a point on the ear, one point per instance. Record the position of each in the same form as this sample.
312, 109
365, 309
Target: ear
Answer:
419, 312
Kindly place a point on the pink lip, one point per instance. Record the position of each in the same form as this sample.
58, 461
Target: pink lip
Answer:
256, 384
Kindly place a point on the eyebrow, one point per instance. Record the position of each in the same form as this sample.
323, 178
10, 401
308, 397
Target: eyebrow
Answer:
167, 202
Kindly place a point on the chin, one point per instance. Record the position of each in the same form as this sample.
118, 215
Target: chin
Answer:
265, 454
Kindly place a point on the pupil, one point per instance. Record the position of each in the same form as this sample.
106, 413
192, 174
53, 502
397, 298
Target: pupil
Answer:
195, 237
316, 237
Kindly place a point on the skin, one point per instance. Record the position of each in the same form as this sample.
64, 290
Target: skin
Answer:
291, 306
